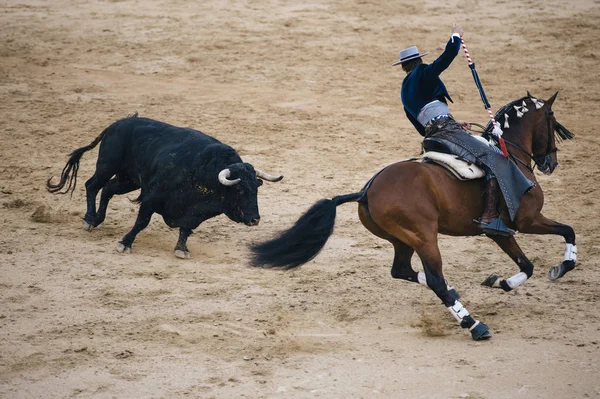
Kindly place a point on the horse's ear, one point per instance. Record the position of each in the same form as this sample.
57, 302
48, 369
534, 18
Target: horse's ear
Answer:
551, 100
529, 94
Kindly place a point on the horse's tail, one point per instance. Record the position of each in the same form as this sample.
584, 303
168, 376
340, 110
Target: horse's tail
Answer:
305, 239
68, 176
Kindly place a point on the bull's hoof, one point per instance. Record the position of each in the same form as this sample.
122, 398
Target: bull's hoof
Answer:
87, 226
481, 332
491, 280
123, 249
182, 254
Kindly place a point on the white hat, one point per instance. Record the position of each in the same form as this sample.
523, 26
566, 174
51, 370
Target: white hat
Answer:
409, 54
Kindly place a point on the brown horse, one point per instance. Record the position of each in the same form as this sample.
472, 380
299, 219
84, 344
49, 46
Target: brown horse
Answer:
410, 203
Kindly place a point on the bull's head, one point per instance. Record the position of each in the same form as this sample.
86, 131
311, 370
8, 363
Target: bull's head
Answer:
242, 181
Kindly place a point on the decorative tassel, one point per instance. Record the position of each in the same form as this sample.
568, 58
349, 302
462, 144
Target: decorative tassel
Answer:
506, 125
538, 103
497, 131
518, 109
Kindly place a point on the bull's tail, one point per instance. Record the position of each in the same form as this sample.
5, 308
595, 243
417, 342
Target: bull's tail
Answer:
304, 240
68, 176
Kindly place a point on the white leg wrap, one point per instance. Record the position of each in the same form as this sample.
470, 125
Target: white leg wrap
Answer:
421, 278
571, 252
458, 311
516, 280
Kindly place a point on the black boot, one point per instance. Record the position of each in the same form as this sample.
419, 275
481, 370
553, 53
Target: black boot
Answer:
490, 222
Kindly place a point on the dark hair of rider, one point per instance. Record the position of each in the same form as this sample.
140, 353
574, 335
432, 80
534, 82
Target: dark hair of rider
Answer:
408, 66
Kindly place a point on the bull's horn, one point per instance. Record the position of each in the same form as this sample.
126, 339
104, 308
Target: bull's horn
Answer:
223, 178
266, 176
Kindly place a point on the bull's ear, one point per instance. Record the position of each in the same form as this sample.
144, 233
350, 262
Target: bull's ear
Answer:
551, 100
259, 182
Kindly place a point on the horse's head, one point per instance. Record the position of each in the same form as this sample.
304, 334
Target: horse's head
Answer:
532, 127
542, 141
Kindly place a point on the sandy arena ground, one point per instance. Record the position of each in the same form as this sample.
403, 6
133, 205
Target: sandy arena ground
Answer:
306, 90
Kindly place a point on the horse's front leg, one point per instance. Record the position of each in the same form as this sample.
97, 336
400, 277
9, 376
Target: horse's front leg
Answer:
543, 225
512, 249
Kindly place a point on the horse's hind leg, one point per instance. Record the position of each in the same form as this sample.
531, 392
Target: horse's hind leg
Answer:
432, 264
512, 249
401, 268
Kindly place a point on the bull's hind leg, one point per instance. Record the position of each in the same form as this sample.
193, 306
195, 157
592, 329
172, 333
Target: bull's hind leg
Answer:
117, 185
512, 249
92, 187
143, 218
432, 264
110, 157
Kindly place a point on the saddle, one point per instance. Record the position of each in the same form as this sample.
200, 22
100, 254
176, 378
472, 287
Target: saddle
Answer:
463, 170
513, 183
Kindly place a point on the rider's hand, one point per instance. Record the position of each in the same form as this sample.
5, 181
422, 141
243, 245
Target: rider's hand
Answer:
456, 28
464, 124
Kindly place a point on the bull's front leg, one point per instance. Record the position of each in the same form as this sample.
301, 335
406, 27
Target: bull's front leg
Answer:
143, 218
181, 250
186, 223
543, 225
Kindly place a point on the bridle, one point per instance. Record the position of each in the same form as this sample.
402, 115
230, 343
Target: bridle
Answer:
542, 161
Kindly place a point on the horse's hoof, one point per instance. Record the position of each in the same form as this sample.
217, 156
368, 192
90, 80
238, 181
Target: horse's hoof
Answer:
491, 280
480, 332
122, 249
556, 272
182, 254
87, 226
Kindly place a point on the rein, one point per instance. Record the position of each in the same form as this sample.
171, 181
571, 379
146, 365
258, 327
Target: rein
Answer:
518, 147
538, 159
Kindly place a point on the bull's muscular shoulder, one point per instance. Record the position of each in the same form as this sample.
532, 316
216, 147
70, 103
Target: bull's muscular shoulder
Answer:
168, 155
213, 159
220, 151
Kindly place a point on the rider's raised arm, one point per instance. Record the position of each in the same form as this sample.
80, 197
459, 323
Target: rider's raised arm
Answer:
445, 59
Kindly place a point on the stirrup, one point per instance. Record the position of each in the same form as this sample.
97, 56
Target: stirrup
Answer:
496, 228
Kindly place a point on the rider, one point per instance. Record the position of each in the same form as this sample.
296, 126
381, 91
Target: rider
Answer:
424, 98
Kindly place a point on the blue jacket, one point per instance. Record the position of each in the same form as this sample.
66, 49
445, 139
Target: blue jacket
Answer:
423, 85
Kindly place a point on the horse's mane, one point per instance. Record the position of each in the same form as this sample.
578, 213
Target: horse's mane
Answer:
561, 132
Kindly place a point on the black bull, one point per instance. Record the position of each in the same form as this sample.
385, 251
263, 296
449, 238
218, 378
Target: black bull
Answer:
184, 175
